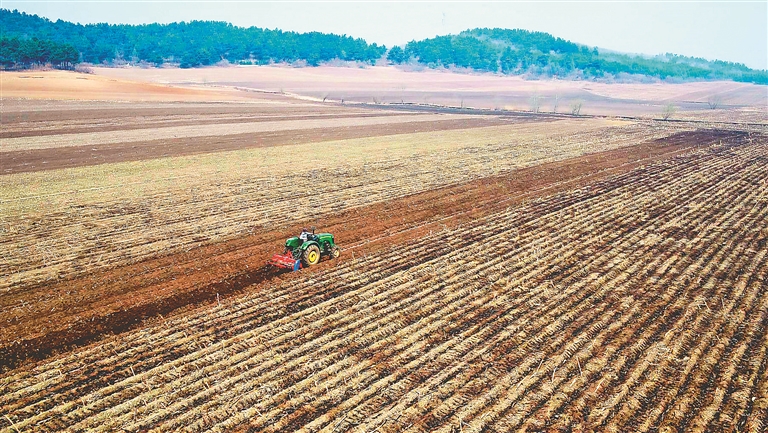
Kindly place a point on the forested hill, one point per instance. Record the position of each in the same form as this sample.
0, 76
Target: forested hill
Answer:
188, 44
199, 43
541, 54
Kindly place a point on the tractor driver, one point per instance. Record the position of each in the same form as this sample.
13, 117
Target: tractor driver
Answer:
304, 235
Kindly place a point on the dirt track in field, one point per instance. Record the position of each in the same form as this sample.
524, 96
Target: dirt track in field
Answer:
392, 85
116, 300
21, 161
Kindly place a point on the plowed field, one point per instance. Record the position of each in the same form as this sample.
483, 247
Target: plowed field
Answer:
499, 272
635, 302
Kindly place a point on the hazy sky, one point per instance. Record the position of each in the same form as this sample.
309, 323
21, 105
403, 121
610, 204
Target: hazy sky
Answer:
733, 31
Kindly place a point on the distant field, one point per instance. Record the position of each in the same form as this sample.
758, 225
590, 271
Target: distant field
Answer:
61, 85
500, 271
392, 85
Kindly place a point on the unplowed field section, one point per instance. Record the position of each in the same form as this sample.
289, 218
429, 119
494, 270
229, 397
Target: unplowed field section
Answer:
634, 303
147, 147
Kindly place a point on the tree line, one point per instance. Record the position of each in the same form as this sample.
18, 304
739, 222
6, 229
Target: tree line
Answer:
27, 53
28, 39
196, 43
541, 54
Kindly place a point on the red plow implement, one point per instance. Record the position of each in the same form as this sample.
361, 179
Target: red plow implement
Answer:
285, 261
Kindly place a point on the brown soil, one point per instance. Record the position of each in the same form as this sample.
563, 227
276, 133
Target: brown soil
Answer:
77, 156
91, 112
168, 123
116, 300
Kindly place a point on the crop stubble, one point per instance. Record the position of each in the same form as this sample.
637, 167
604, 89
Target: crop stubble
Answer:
150, 148
70, 222
120, 215
77, 310
636, 303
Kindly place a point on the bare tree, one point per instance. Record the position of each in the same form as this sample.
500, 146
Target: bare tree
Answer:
535, 103
668, 111
557, 101
576, 108
714, 101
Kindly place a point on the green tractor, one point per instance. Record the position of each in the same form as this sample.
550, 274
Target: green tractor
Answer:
305, 250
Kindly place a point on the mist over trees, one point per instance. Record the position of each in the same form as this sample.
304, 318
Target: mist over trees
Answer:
28, 40
541, 54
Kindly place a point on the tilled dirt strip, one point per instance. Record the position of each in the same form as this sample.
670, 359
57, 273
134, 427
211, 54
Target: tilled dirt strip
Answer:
220, 129
25, 111
119, 299
78, 156
165, 122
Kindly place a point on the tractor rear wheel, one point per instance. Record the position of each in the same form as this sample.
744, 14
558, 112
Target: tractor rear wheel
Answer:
311, 256
335, 252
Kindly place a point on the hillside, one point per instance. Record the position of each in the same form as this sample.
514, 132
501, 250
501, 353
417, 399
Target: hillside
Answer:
541, 54
201, 43
197, 43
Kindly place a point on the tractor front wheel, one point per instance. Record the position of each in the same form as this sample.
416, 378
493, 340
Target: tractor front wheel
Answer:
311, 255
335, 252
